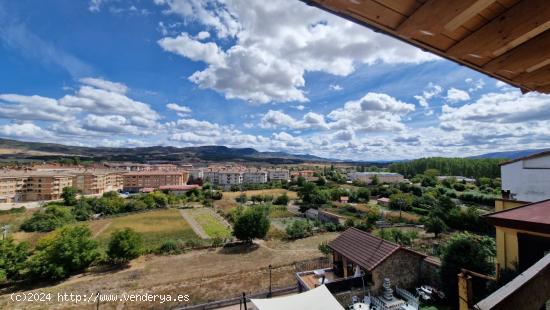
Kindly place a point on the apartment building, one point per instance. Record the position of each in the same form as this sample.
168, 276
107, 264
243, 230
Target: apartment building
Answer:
97, 183
278, 174
230, 177
135, 181
255, 176
527, 178
195, 173
12, 189
383, 177
48, 184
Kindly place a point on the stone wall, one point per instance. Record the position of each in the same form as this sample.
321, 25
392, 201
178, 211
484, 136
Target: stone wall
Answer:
404, 268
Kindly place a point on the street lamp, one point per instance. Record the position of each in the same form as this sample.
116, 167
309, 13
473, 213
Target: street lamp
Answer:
270, 293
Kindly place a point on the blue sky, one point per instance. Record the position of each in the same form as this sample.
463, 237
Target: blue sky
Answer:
278, 76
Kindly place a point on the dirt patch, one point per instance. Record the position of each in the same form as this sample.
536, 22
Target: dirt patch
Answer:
206, 275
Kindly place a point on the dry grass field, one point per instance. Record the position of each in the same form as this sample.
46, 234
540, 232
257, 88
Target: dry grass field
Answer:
206, 275
154, 227
227, 203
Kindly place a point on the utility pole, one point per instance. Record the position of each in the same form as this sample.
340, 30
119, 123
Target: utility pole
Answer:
270, 292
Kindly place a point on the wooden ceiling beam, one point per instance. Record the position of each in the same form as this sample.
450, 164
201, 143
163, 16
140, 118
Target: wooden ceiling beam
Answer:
522, 58
435, 15
535, 78
512, 28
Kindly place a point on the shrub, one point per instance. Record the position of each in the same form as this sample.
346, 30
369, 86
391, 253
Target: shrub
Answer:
282, 200
324, 248
125, 245
66, 251
48, 220
168, 247
299, 229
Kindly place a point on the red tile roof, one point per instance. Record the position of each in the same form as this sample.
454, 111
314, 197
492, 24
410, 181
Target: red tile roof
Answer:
363, 248
532, 217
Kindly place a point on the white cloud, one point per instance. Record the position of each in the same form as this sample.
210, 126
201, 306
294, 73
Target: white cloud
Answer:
180, 109
277, 119
335, 87
475, 85
26, 130
275, 44
20, 107
105, 85
430, 91
455, 95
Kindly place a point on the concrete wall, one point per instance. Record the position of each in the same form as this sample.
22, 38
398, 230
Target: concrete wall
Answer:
527, 180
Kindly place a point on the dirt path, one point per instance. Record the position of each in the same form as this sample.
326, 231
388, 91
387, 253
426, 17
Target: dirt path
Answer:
220, 218
194, 225
102, 229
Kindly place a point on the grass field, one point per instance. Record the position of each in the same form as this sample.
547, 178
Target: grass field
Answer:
154, 227
210, 224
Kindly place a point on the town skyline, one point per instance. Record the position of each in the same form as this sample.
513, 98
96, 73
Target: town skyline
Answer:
273, 77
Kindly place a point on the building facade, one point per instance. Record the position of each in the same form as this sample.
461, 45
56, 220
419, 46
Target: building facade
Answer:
254, 177
97, 183
278, 175
383, 177
527, 178
135, 181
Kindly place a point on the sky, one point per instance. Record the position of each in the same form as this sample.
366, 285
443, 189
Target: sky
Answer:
273, 75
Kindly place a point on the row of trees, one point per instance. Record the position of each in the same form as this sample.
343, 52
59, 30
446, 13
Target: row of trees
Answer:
66, 251
477, 168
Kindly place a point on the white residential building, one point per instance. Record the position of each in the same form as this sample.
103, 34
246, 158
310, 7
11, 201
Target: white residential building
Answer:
195, 173
229, 177
257, 176
212, 176
278, 174
383, 177
527, 178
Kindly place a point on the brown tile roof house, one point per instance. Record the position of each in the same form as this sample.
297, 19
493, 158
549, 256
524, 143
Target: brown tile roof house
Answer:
381, 259
363, 248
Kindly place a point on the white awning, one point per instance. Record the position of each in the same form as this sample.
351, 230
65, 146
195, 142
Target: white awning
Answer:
318, 298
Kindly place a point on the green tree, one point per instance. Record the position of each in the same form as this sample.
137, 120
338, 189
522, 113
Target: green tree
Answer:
432, 173
66, 251
435, 225
125, 245
250, 224
298, 229
282, 200
374, 180
468, 251
49, 219
12, 258
69, 196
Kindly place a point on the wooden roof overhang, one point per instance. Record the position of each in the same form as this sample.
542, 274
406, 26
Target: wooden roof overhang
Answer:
506, 39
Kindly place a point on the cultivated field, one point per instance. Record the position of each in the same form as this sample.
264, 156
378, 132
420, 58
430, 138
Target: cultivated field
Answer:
206, 275
210, 223
154, 226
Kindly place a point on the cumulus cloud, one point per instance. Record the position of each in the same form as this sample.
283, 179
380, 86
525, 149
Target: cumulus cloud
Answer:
455, 95
274, 45
21, 107
26, 130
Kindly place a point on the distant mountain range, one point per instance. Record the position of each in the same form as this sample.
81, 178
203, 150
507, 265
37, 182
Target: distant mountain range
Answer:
511, 154
21, 150
26, 151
